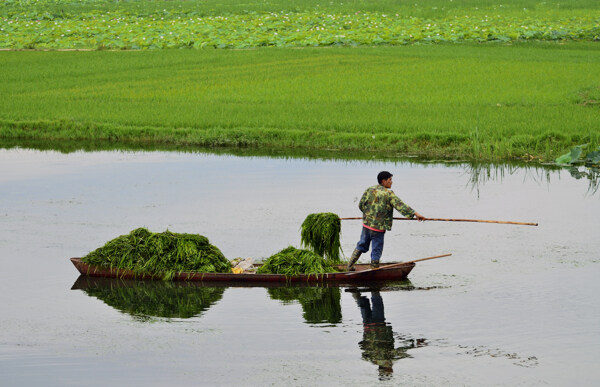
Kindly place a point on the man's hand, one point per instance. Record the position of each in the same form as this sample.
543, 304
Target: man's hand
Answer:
419, 217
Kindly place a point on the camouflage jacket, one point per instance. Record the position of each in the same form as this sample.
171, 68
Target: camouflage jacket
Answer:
377, 205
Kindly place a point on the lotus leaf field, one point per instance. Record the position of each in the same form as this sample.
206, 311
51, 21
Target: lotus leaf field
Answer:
103, 24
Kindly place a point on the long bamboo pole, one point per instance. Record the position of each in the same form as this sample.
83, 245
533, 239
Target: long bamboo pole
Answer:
459, 220
399, 264
419, 260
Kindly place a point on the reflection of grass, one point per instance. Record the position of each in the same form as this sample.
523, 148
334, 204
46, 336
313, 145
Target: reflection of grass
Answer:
319, 304
480, 174
590, 173
450, 100
155, 298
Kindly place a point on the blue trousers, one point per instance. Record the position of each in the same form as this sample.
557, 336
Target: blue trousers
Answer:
374, 238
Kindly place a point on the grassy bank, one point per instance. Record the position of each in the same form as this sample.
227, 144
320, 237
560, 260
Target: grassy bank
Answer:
479, 102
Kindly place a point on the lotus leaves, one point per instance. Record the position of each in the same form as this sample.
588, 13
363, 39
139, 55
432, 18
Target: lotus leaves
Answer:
96, 27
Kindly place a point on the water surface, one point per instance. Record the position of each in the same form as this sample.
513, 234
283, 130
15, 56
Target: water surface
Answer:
512, 305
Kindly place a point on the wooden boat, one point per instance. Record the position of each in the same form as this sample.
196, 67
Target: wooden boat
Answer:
398, 271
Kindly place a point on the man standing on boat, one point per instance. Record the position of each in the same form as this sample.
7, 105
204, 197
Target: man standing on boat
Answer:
377, 205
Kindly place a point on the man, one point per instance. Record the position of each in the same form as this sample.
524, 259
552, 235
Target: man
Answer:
377, 205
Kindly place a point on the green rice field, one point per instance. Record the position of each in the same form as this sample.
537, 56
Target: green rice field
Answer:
454, 79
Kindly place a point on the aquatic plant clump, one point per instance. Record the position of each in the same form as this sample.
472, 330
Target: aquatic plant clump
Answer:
159, 254
321, 233
292, 261
578, 156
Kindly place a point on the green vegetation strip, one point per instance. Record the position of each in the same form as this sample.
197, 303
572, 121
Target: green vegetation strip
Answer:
321, 233
111, 25
159, 254
292, 261
479, 102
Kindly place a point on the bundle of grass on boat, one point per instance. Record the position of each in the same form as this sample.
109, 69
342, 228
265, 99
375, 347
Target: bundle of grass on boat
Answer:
159, 254
292, 261
321, 233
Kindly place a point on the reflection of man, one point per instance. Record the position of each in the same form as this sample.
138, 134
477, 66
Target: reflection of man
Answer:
378, 338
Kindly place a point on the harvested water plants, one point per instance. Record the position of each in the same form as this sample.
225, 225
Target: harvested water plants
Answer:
321, 233
292, 261
159, 254
163, 255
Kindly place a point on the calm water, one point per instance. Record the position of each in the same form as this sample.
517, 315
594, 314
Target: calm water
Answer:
512, 305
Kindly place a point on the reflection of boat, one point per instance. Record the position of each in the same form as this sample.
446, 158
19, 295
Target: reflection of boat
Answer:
362, 273
319, 304
146, 299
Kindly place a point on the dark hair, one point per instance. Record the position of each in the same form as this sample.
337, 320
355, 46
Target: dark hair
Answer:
383, 175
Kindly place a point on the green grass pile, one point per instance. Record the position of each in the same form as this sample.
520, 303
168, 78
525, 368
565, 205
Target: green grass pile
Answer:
321, 233
160, 254
292, 261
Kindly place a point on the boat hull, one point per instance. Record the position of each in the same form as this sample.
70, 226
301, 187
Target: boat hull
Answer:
362, 273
